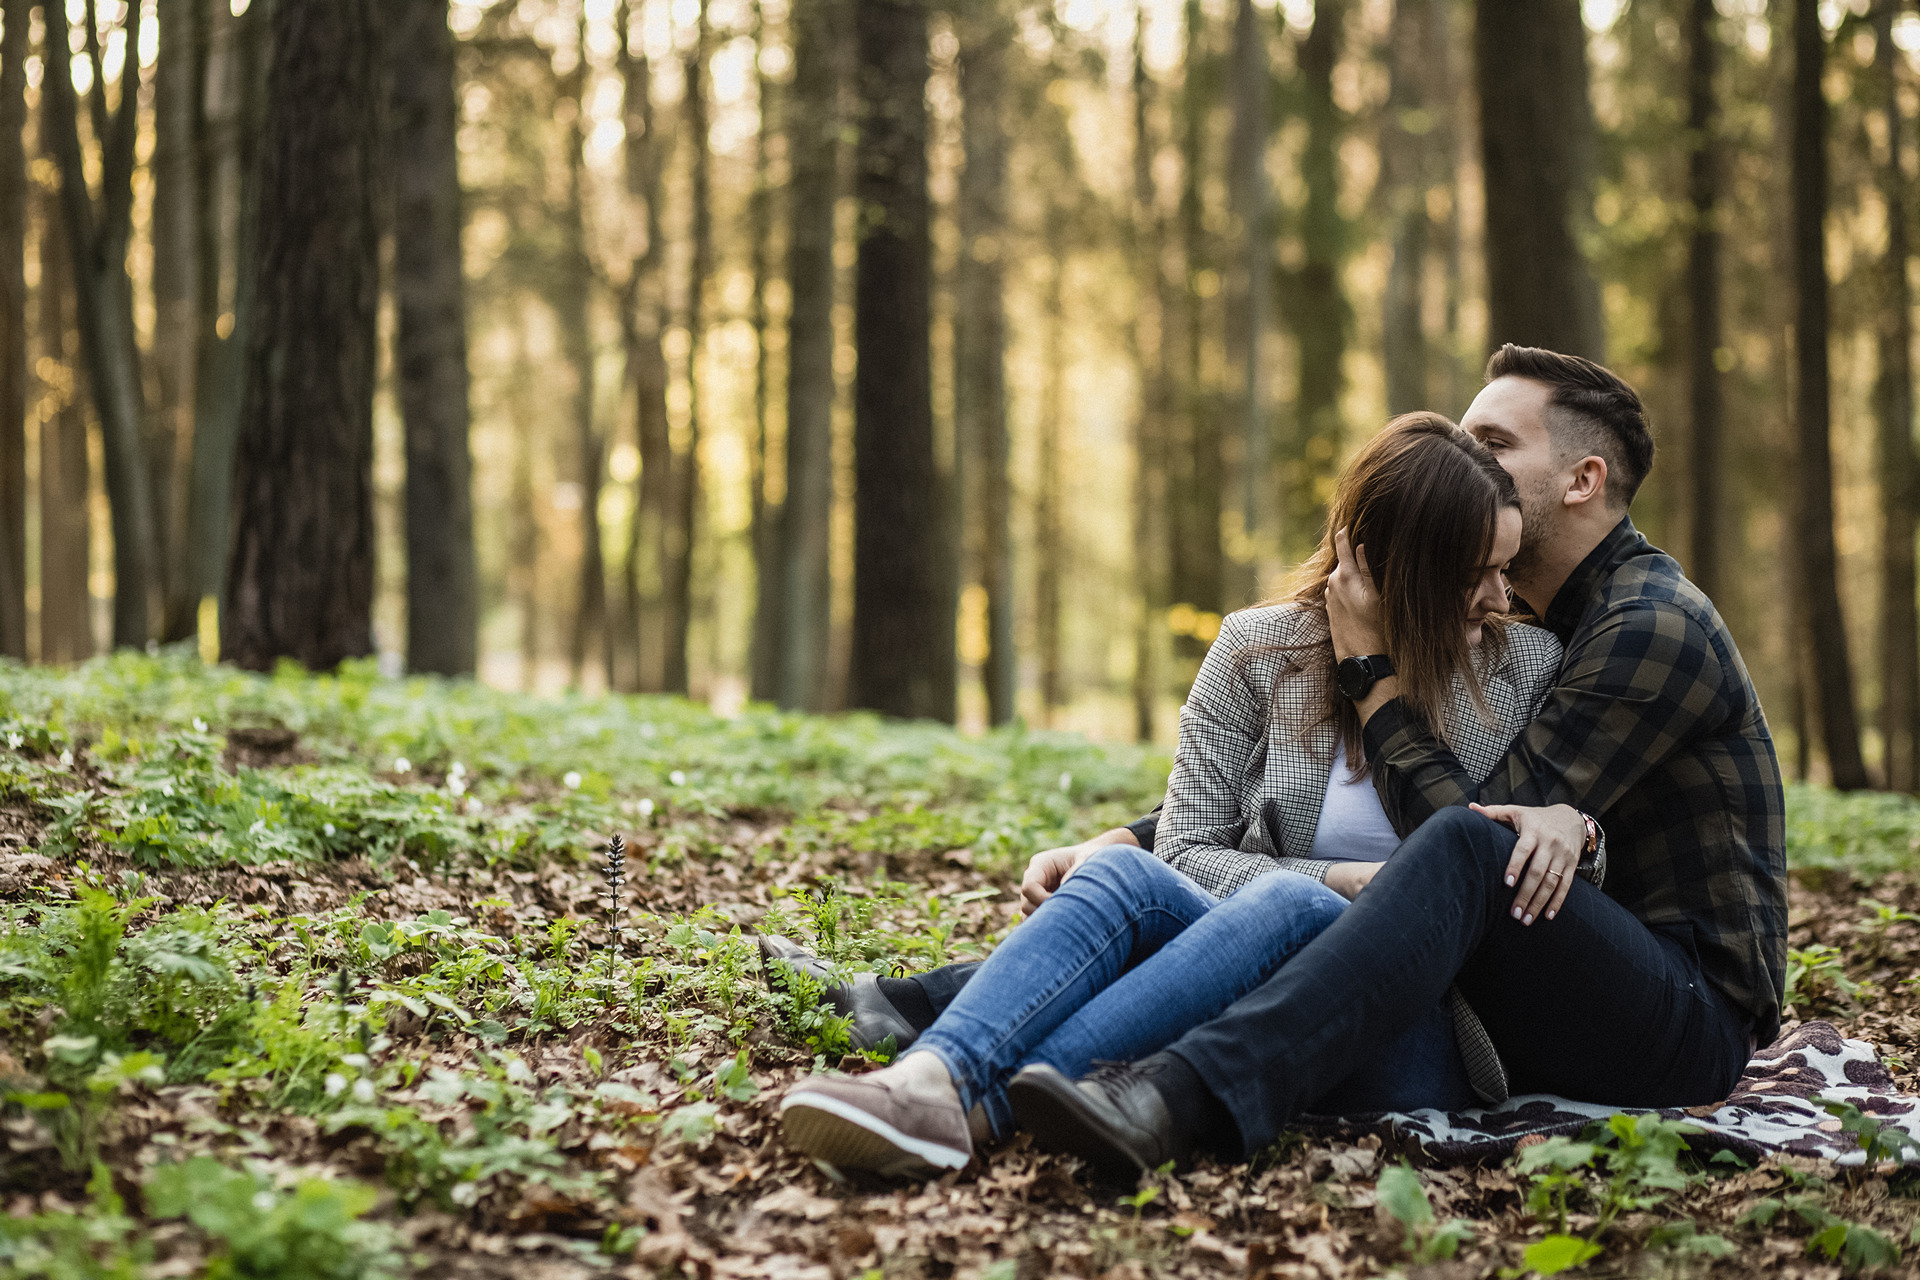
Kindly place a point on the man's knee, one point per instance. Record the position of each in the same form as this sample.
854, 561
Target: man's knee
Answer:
1469, 840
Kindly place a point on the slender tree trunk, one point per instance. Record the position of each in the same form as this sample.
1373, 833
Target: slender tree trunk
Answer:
686, 500
903, 643
1198, 566
1899, 470
1151, 333
66, 616
300, 582
1536, 142
233, 75
574, 302
430, 354
1321, 316
643, 317
1819, 593
14, 47
176, 281
1705, 463
769, 624
979, 345
813, 147
1247, 301
97, 235
1416, 156
1050, 568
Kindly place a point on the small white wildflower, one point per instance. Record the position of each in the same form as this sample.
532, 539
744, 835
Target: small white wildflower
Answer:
336, 1084
326, 828
199, 725
572, 779
1066, 782
456, 785
402, 765
473, 804
363, 1091
677, 778
166, 788
457, 770
14, 740
646, 808
66, 759
264, 1201
358, 1061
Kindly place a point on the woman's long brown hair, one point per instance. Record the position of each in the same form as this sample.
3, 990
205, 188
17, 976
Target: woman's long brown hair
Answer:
1422, 497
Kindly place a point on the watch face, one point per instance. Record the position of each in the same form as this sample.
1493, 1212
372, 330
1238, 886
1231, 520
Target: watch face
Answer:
1353, 677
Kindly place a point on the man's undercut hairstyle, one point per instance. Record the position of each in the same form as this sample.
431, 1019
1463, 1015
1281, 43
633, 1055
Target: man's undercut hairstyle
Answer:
1591, 412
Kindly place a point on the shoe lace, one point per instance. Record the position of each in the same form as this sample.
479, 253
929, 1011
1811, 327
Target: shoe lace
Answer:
1107, 1072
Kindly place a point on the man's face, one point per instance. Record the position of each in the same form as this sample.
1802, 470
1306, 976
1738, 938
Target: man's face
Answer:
1509, 416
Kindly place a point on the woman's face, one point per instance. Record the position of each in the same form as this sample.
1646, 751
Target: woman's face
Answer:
1489, 592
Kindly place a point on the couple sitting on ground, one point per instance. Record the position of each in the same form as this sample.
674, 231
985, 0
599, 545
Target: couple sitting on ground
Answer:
1413, 852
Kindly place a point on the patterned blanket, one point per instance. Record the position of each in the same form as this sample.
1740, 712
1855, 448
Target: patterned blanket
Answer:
1771, 1109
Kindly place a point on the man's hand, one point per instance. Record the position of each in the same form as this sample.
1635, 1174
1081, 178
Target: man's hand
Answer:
1348, 878
1353, 603
1545, 858
1052, 866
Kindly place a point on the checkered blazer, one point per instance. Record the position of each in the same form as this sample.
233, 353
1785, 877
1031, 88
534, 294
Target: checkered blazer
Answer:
1247, 786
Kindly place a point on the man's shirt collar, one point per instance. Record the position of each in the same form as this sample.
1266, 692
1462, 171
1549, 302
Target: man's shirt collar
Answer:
1577, 592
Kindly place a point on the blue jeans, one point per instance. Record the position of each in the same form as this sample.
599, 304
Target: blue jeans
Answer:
1126, 957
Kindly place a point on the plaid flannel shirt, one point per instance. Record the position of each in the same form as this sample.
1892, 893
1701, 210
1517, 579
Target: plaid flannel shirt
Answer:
1654, 728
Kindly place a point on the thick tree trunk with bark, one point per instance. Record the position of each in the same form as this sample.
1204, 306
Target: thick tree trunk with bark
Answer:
979, 346
430, 344
1417, 156
1705, 461
176, 282
1812, 528
1899, 470
300, 583
66, 615
1319, 310
813, 146
1250, 284
14, 47
97, 236
903, 643
1199, 568
1536, 144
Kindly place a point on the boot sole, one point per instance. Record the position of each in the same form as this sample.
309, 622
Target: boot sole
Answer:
848, 1138
1063, 1121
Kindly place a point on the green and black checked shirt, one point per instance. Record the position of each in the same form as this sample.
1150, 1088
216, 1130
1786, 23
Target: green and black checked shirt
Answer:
1654, 728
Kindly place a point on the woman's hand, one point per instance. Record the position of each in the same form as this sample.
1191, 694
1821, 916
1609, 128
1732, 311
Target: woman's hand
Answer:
1050, 867
1348, 878
1545, 857
1353, 602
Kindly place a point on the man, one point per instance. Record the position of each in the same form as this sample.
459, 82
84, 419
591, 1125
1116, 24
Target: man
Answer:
1653, 991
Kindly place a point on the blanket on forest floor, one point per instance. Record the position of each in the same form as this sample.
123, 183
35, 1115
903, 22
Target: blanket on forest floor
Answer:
1772, 1109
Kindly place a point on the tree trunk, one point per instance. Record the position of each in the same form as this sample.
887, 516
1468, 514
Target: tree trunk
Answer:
176, 281
813, 149
430, 349
1537, 142
233, 74
1705, 463
1151, 333
1899, 470
97, 236
14, 47
979, 346
1049, 532
643, 320
1417, 157
1198, 566
573, 301
902, 661
300, 583
1819, 594
66, 615
1321, 316
1247, 298
769, 626
678, 575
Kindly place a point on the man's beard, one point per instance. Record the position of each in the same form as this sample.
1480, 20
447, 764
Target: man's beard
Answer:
1536, 514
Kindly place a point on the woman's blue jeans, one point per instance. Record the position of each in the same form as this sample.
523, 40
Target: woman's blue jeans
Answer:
1126, 957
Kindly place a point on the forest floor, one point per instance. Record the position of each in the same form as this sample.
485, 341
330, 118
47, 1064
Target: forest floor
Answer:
310, 977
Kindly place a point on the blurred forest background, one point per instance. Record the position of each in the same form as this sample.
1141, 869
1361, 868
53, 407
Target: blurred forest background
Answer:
953, 358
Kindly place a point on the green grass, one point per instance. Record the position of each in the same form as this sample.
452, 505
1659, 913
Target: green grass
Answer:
1866, 833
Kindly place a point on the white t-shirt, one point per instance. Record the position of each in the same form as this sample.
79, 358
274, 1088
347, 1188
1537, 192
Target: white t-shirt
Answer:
1353, 827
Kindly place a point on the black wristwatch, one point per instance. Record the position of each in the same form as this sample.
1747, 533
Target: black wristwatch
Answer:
1356, 677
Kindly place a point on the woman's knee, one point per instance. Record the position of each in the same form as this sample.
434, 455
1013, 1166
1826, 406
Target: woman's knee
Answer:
1124, 864
1300, 896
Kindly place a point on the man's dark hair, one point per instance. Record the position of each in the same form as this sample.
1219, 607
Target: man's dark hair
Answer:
1591, 412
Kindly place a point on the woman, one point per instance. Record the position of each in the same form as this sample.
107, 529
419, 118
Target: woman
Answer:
1270, 826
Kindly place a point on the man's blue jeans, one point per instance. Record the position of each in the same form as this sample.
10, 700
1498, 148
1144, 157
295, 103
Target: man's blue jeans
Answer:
1127, 956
